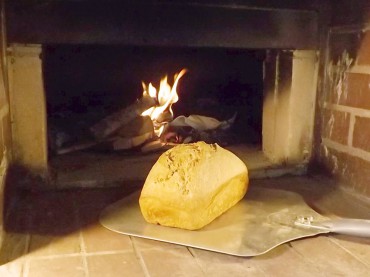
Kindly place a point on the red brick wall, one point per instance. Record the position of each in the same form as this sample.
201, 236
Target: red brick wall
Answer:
345, 109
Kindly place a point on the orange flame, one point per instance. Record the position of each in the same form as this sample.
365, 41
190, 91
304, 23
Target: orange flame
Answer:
165, 97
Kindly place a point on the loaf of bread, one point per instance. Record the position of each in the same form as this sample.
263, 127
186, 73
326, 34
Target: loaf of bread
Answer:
192, 184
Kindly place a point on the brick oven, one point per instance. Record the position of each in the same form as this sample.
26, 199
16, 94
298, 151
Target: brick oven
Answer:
297, 74
267, 77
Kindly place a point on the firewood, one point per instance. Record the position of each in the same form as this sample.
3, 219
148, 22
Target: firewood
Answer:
124, 143
76, 147
134, 133
110, 124
138, 126
152, 146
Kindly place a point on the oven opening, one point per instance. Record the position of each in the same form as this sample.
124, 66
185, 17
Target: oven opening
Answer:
220, 97
85, 84
251, 72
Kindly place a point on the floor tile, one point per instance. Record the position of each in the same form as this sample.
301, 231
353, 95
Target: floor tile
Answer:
111, 265
54, 245
171, 262
285, 261
329, 258
12, 269
59, 226
92, 202
42, 212
358, 247
13, 247
57, 267
217, 264
98, 238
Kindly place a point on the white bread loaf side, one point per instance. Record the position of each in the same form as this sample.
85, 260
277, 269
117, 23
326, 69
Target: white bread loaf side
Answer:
192, 184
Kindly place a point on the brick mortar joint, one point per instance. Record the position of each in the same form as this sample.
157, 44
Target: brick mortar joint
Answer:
359, 69
352, 121
349, 150
348, 109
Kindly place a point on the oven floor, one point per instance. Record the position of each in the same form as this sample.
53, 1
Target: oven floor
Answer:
57, 233
94, 169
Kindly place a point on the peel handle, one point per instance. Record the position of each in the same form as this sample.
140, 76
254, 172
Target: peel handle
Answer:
352, 227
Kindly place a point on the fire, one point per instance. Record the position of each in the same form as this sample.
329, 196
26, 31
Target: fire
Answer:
162, 112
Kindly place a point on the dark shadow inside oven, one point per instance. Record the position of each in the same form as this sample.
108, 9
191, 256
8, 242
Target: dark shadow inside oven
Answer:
86, 83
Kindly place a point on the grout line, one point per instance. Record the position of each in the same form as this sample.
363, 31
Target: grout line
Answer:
28, 244
81, 239
56, 256
306, 259
26, 257
108, 252
26, 263
26, 268
195, 257
80, 254
336, 242
83, 253
352, 120
139, 257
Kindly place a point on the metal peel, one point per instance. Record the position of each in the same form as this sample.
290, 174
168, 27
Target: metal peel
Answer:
260, 222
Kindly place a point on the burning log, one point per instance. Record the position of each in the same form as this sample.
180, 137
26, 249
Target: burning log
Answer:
133, 134
135, 125
112, 123
154, 104
129, 143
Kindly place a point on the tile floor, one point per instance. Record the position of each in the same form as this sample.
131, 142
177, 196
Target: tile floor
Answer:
57, 233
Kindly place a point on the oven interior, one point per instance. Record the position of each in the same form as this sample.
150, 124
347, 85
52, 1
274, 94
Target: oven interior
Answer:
86, 83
